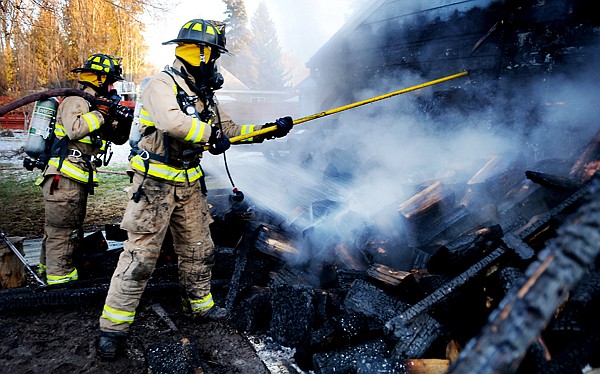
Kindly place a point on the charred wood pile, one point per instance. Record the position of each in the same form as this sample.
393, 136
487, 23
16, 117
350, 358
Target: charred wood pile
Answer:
504, 283
502, 277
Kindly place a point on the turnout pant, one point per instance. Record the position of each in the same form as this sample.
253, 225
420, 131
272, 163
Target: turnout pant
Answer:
185, 211
65, 203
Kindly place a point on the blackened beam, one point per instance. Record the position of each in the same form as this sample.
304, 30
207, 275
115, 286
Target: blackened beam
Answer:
346, 360
517, 242
244, 274
437, 227
553, 182
419, 335
162, 313
545, 218
396, 324
177, 357
526, 310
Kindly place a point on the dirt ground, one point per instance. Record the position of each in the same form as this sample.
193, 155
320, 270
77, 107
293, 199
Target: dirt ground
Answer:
63, 339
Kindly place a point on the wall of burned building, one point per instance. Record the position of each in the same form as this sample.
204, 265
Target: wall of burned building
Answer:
510, 49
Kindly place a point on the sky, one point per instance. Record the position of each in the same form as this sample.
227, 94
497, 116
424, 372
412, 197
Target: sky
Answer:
302, 26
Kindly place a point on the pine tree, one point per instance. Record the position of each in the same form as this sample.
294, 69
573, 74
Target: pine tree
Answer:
266, 48
241, 62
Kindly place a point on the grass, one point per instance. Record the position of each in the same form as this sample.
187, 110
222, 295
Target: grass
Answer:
22, 204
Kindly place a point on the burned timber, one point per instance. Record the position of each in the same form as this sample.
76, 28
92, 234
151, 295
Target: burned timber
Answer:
518, 293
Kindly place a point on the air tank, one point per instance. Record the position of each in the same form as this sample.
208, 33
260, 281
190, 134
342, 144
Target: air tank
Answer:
41, 126
134, 133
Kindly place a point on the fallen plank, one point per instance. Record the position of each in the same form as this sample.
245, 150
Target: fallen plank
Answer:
386, 274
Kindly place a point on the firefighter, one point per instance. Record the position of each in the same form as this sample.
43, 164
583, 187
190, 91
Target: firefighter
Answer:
179, 119
70, 174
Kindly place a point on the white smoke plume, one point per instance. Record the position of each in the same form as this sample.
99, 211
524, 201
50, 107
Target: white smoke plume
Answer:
335, 177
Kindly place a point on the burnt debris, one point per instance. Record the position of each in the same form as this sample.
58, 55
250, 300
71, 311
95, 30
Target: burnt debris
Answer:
513, 290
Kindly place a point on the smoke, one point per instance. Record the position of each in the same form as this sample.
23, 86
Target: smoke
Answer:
339, 180
334, 178
341, 177
569, 114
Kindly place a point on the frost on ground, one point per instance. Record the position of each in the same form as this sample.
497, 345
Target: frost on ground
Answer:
13, 144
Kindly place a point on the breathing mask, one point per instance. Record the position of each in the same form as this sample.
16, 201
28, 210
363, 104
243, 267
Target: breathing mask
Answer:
199, 61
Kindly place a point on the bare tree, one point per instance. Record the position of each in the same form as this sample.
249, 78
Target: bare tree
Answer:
44, 39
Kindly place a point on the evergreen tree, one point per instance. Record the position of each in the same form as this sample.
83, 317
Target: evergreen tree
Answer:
265, 46
241, 62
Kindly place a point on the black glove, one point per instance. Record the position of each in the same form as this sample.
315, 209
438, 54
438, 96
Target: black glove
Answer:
124, 113
117, 130
105, 107
284, 125
218, 141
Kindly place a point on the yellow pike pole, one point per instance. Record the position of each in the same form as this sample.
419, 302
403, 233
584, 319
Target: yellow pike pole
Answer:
349, 106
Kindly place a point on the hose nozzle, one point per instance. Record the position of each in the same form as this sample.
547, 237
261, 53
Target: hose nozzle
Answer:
238, 196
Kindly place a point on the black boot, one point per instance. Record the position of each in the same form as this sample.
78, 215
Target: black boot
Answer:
111, 344
217, 314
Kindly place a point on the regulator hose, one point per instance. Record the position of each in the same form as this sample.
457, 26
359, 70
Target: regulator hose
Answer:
238, 195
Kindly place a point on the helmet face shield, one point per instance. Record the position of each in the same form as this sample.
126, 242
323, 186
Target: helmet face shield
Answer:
92, 78
195, 54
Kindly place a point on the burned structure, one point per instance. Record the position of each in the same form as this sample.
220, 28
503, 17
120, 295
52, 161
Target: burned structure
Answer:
485, 266
509, 48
